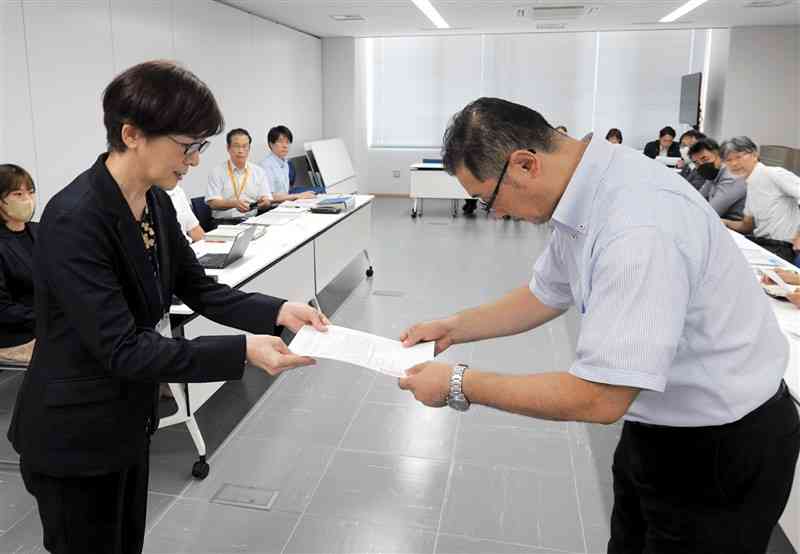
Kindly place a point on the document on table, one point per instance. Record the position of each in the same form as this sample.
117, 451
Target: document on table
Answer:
356, 347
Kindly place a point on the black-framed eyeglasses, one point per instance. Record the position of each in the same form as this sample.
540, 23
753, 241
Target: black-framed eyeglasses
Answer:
192, 147
489, 204
492, 199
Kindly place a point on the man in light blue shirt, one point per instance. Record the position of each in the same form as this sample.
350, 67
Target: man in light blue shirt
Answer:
711, 437
277, 167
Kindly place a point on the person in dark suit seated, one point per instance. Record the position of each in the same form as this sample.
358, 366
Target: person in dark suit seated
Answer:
686, 165
17, 236
614, 136
109, 257
726, 193
664, 146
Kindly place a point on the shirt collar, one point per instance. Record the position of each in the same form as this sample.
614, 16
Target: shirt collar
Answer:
575, 206
277, 158
236, 169
756, 173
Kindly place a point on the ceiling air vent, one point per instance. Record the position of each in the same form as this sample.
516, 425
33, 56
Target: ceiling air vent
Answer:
551, 26
767, 3
347, 17
554, 13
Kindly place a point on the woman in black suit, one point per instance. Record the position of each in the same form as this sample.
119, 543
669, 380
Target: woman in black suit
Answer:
664, 146
109, 257
17, 236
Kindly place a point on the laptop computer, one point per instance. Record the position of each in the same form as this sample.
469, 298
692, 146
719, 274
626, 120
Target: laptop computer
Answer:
238, 248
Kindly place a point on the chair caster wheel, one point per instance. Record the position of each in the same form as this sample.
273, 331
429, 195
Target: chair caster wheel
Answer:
370, 273
200, 468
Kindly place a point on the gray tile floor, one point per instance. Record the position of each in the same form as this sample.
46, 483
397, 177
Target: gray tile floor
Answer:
353, 464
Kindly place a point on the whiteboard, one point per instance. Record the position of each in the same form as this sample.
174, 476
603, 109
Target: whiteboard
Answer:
332, 160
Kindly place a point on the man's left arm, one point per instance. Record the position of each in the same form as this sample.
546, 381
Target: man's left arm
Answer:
630, 331
789, 183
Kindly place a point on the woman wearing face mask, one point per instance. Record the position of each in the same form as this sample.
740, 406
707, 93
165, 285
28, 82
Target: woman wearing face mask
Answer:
17, 236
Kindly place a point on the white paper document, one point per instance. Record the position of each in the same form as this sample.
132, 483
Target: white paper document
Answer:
356, 347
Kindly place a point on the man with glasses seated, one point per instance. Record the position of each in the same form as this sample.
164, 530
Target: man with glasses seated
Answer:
237, 189
771, 213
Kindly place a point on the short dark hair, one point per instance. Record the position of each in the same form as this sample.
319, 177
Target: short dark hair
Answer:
160, 98
238, 131
696, 135
13, 177
276, 132
482, 135
667, 131
614, 132
704, 144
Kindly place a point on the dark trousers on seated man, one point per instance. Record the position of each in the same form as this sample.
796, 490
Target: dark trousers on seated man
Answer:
782, 249
684, 489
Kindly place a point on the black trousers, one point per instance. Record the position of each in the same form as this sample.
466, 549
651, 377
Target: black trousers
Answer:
709, 490
98, 514
780, 248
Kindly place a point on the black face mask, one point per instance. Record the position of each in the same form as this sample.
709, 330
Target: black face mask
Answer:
707, 171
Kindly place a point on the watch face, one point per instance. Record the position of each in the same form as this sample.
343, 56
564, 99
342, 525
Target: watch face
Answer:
458, 403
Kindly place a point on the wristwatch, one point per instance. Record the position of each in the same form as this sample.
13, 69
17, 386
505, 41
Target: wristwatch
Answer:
456, 398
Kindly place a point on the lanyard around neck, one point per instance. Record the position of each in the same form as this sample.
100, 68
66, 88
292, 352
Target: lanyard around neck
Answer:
238, 186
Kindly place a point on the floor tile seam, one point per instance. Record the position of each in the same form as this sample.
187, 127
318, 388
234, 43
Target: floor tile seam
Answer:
391, 453
20, 520
578, 497
449, 483
523, 469
327, 468
509, 543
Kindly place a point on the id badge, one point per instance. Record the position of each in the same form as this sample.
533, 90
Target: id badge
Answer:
163, 327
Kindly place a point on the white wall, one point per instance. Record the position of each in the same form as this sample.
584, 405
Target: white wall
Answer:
715, 82
761, 88
618, 85
58, 57
339, 90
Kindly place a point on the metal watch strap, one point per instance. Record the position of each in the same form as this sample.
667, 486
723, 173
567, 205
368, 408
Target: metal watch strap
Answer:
456, 398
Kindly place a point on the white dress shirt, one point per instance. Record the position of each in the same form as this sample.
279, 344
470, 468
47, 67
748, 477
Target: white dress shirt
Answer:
221, 187
186, 218
668, 303
772, 197
277, 170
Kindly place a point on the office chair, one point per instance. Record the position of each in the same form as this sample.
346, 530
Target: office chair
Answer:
203, 213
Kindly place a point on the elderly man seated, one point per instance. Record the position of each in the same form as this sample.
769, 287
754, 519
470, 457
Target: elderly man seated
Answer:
771, 211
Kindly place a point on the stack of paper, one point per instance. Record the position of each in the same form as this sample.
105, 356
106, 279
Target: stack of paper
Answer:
356, 347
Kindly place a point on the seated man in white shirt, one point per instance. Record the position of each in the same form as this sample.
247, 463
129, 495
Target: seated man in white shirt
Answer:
771, 211
276, 165
237, 189
186, 218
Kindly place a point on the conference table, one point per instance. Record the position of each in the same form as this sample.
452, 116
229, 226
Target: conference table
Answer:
294, 260
788, 317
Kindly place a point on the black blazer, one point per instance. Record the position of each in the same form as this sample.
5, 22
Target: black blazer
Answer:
88, 401
651, 149
16, 288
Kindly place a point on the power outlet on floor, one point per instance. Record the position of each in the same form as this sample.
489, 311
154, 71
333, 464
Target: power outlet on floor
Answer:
396, 173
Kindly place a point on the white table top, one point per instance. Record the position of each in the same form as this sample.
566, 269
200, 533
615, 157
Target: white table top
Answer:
787, 314
277, 242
